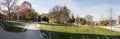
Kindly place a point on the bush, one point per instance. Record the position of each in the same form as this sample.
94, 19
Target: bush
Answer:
83, 21
71, 20
105, 22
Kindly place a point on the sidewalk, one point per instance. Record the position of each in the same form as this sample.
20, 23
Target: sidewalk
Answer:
109, 27
33, 31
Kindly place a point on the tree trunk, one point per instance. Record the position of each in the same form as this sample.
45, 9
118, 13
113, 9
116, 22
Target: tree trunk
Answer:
9, 18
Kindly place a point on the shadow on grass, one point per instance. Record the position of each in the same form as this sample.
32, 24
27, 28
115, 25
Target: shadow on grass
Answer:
14, 29
12, 26
63, 35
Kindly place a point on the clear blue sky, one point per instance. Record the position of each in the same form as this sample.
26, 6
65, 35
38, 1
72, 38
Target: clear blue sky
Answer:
96, 8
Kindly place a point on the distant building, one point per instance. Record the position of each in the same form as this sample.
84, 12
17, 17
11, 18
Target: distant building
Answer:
118, 20
113, 22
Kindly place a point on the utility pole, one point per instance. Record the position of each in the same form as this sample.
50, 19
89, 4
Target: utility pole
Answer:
110, 13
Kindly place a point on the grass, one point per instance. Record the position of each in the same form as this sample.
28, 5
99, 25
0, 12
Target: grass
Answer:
12, 26
55, 31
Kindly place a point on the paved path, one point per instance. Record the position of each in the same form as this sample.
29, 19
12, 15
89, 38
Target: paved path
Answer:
32, 32
109, 27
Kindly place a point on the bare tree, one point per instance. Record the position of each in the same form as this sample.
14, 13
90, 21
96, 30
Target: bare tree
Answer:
55, 13
72, 19
110, 11
61, 14
89, 19
9, 4
77, 20
104, 20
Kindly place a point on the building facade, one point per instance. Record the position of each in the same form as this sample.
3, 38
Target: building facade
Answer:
118, 20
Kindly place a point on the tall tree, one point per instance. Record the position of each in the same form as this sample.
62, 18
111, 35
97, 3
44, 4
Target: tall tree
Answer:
65, 14
72, 19
0, 14
77, 20
80, 20
34, 16
110, 11
89, 19
28, 12
9, 4
61, 14
104, 20
55, 13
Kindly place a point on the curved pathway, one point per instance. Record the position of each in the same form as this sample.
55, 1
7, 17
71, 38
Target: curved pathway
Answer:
33, 31
114, 28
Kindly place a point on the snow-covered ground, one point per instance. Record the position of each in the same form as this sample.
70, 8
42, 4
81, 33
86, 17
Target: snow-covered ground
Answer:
32, 32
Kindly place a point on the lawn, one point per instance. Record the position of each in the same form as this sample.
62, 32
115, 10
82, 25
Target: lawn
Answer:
56, 31
12, 26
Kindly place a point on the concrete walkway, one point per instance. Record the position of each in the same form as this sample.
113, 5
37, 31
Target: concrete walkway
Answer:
111, 28
32, 32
